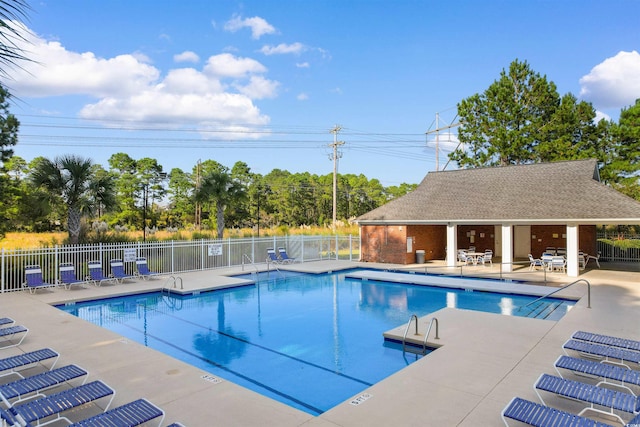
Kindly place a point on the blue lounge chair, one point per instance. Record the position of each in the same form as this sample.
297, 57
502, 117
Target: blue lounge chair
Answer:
95, 273
68, 275
30, 387
9, 332
33, 279
615, 355
9, 365
272, 257
128, 415
117, 270
537, 415
286, 259
621, 376
55, 405
594, 395
143, 268
607, 340
6, 321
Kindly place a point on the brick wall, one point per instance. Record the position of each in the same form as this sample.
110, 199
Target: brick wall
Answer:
432, 239
483, 237
556, 236
384, 243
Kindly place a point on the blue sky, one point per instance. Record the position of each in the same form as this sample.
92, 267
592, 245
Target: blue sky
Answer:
264, 82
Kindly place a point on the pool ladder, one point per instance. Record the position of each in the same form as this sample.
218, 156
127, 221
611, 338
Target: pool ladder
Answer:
250, 261
424, 342
174, 280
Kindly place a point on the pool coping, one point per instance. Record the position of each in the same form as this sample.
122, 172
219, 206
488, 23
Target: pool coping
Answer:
487, 359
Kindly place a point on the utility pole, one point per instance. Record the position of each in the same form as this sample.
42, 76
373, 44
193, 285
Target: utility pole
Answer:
437, 132
198, 206
335, 156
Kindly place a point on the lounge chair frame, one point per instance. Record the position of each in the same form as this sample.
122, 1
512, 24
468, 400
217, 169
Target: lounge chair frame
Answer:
96, 275
9, 365
33, 279
9, 332
143, 269
68, 276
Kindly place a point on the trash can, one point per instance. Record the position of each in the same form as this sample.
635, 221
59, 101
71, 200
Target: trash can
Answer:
419, 256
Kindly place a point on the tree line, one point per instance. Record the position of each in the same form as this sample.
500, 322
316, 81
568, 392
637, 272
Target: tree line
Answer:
136, 194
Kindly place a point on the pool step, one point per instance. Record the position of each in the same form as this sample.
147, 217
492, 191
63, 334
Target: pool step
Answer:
544, 309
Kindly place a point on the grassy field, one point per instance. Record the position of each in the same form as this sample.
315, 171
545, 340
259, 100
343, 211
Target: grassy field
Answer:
37, 240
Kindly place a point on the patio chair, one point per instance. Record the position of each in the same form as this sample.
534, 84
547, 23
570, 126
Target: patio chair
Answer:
595, 258
34, 281
607, 340
486, 258
286, 259
9, 332
536, 414
546, 258
551, 250
610, 375
272, 257
117, 270
10, 365
68, 275
55, 405
535, 263
582, 260
143, 269
558, 263
594, 395
463, 257
613, 355
95, 274
33, 386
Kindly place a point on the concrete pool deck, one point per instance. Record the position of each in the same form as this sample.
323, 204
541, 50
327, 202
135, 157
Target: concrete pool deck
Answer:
483, 361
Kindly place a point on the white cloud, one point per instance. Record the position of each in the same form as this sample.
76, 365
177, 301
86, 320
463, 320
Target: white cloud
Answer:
57, 71
601, 116
283, 48
614, 83
126, 87
446, 141
259, 26
302, 96
186, 56
259, 88
303, 65
227, 65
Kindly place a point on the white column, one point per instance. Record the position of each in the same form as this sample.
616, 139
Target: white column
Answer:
572, 250
507, 247
452, 245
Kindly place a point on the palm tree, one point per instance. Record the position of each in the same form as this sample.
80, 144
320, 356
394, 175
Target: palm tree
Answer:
11, 37
71, 179
221, 189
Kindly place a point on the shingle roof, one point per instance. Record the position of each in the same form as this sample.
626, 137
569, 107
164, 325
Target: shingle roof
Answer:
567, 191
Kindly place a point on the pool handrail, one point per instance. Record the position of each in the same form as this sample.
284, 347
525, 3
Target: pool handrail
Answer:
563, 288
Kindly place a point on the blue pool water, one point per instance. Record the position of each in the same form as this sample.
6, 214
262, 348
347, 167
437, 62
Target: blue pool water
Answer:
310, 341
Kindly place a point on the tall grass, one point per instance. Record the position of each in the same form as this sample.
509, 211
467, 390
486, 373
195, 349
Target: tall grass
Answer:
22, 240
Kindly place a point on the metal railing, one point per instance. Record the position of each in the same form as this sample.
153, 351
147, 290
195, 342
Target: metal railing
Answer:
169, 257
561, 289
426, 335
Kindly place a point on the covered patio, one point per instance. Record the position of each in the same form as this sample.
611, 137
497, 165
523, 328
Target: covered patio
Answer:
512, 210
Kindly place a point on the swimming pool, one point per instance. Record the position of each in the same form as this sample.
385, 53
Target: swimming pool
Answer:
310, 341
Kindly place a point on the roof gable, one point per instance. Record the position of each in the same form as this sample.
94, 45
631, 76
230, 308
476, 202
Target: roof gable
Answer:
541, 192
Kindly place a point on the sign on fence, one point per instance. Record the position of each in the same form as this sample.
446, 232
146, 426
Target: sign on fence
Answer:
215, 250
129, 255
